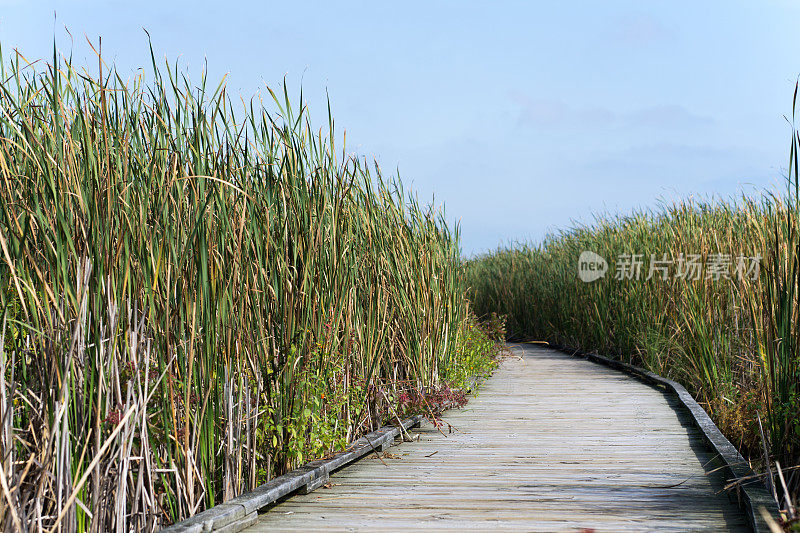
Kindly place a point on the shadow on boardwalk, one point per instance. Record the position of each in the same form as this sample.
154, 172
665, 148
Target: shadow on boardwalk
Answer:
551, 443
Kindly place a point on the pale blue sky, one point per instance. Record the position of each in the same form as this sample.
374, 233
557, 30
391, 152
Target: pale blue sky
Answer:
519, 116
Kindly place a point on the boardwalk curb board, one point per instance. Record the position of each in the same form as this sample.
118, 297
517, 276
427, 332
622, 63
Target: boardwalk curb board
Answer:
752, 496
241, 512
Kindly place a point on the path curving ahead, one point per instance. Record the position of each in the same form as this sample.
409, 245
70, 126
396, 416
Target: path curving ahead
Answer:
550, 443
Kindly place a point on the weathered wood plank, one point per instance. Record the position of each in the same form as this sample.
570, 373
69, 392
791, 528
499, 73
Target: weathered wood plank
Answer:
551, 443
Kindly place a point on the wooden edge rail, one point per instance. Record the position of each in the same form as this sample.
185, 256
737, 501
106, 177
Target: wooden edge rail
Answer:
752, 493
240, 512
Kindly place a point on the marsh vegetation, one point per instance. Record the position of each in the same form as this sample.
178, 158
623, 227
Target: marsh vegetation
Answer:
198, 295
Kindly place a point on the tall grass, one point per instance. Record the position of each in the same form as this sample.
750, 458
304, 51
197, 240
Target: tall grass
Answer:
195, 300
733, 341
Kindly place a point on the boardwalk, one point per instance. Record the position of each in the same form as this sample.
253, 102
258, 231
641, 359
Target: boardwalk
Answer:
551, 443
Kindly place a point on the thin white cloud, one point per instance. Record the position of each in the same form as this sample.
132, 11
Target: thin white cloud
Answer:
556, 113
669, 115
639, 29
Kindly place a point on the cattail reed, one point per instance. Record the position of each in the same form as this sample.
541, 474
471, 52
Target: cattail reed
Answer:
196, 295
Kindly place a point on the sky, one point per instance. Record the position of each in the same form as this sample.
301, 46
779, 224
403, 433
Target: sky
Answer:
522, 118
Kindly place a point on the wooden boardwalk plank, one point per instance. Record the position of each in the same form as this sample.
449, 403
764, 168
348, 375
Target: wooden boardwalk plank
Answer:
551, 443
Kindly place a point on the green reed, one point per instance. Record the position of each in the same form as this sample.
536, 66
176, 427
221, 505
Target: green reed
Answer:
196, 297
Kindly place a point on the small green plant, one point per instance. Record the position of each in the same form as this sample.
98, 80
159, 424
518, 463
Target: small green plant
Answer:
472, 358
